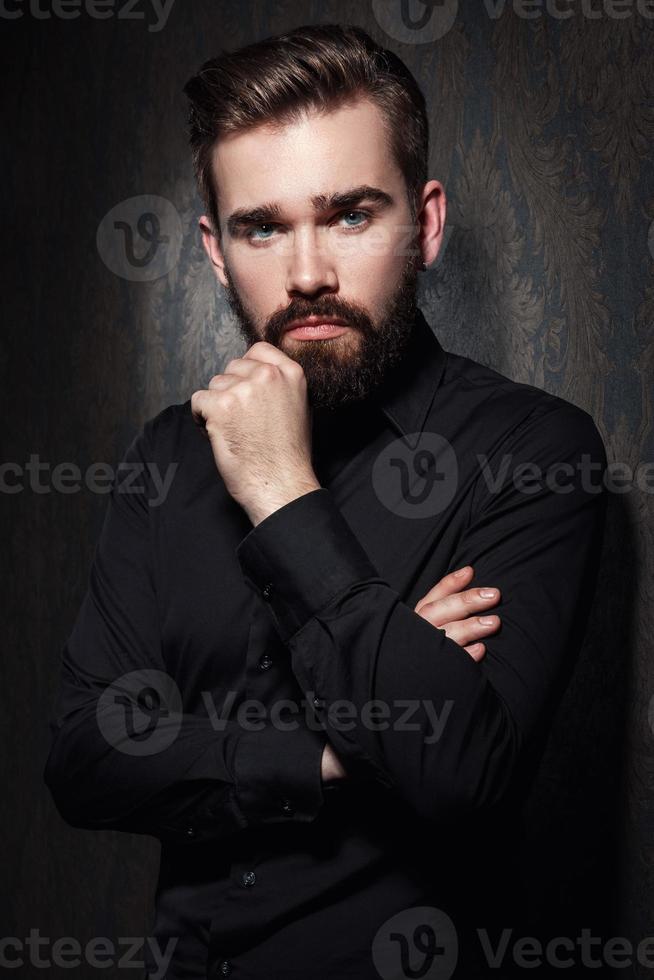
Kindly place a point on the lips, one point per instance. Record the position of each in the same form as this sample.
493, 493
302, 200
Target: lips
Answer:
313, 321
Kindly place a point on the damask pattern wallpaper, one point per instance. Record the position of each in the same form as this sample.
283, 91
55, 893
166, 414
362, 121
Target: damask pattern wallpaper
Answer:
542, 131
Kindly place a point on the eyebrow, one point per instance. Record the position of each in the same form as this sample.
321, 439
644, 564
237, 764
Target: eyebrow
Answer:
265, 213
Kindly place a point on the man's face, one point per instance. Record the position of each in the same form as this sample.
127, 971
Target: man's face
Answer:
305, 257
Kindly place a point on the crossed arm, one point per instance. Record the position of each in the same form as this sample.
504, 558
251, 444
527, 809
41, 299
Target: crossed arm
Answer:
451, 607
353, 640
351, 637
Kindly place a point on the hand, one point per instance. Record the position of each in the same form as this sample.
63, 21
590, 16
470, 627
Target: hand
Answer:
258, 418
330, 765
454, 611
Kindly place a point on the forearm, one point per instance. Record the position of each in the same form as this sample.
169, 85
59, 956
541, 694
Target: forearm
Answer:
448, 732
125, 754
423, 714
445, 740
192, 783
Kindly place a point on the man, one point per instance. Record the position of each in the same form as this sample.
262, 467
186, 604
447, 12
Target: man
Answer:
363, 823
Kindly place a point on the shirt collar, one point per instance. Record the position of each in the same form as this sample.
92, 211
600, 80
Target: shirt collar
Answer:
406, 396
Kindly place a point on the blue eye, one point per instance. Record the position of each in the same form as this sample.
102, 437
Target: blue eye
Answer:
252, 231
258, 232
363, 215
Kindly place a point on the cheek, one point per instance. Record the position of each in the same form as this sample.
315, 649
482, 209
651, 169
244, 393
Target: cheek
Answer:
372, 276
379, 254
261, 286
253, 278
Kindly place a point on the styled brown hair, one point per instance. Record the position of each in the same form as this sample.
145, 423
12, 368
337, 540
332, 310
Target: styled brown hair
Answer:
318, 67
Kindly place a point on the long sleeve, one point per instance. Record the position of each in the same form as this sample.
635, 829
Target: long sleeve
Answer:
124, 753
447, 733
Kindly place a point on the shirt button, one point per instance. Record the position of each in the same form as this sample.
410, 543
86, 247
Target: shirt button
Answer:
190, 831
267, 591
265, 662
288, 807
317, 702
225, 968
248, 878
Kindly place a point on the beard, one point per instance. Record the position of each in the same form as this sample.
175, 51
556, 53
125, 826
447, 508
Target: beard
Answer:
349, 368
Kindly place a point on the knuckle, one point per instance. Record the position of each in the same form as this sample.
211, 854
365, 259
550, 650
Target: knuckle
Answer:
426, 608
226, 399
296, 368
266, 371
432, 595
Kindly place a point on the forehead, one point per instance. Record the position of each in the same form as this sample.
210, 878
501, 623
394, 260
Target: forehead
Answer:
320, 153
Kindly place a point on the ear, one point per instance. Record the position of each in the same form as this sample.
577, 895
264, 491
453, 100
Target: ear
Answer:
213, 249
431, 220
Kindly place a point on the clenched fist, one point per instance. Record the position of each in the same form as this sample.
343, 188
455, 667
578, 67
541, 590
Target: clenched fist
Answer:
258, 418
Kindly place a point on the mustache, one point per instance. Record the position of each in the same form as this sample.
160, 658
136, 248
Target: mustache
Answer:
279, 321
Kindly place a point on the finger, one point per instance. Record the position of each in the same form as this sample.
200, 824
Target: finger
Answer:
202, 400
461, 604
267, 353
243, 368
476, 650
220, 382
452, 582
200, 406
470, 630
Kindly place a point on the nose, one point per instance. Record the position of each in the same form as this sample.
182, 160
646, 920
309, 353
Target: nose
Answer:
310, 266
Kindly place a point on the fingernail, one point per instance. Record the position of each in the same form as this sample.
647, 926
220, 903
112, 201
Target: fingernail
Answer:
487, 593
486, 620
461, 571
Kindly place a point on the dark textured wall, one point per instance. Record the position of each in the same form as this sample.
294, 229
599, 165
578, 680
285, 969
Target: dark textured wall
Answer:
542, 132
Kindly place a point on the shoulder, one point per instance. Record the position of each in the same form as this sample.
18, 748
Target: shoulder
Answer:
167, 432
514, 412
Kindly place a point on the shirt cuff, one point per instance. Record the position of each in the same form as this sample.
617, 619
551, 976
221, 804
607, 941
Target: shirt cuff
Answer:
278, 775
300, 557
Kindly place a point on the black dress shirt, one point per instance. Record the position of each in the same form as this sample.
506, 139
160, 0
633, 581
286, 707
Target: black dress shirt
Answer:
191, 613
